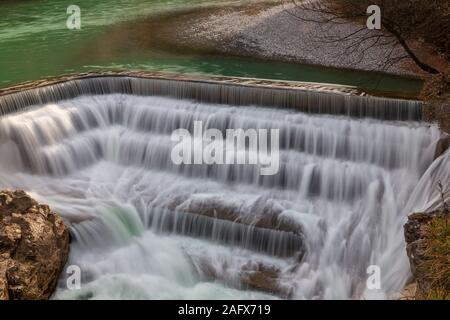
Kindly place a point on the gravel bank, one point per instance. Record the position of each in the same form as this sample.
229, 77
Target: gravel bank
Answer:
271, 31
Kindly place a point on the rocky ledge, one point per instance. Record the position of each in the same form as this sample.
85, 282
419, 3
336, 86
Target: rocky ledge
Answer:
34, 247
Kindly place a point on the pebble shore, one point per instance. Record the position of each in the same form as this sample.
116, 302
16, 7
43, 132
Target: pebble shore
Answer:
273, 31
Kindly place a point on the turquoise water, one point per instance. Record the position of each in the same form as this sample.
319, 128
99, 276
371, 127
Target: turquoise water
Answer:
35, 43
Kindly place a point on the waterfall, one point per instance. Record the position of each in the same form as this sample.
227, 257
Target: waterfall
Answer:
426, 196
98, 152
216, 92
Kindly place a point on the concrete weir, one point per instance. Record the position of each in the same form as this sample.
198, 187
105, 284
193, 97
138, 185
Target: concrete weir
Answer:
98, 147
304, 97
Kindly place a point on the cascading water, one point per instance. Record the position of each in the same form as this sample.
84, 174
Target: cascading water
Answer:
143, 227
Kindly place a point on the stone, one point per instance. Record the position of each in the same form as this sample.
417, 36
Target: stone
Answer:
34, 247
409, 292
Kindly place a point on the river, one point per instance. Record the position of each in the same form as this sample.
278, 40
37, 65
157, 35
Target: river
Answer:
35, 43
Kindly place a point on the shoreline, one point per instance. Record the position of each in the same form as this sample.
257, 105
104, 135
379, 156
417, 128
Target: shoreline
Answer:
271, 32
208, 33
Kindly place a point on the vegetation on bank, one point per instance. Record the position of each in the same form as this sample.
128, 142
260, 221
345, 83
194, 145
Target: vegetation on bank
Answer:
427, 236
437, 263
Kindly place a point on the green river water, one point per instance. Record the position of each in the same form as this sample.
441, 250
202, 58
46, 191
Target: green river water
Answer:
35, 43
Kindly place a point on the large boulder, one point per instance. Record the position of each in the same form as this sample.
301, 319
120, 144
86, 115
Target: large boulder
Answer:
34, 247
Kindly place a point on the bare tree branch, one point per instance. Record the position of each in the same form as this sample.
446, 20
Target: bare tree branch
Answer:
402, 21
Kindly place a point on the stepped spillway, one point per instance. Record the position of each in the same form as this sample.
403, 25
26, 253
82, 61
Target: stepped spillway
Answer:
98, 151
213, 91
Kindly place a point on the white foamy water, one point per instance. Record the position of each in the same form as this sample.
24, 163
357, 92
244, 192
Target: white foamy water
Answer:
145, 228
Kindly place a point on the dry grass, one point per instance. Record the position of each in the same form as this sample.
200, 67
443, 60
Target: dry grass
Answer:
437, 264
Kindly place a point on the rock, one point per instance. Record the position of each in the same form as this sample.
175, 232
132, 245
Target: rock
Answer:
256, 276
264, 278
3, 289
264, 216
409, 292
34, 247
414, 228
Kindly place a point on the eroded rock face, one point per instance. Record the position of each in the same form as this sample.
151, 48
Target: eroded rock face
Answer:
34, 247
261, 215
